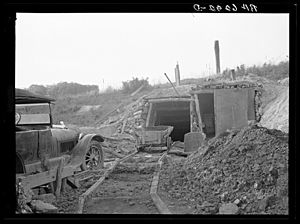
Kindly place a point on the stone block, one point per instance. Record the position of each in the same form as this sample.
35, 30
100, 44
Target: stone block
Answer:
42, 207
192, 141
47, 198
229, 208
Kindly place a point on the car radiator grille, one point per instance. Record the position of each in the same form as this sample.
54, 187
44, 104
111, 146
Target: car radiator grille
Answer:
67, 146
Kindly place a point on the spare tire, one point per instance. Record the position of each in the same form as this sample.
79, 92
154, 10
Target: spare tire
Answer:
93, 159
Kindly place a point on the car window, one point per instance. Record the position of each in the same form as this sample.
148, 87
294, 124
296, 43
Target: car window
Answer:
33, 113
33, 108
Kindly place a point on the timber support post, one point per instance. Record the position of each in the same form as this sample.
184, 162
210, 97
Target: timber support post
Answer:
59, 176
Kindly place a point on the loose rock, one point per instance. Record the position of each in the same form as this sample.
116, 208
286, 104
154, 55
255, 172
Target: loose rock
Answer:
228, 208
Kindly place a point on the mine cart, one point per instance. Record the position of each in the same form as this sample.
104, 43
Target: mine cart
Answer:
155, 136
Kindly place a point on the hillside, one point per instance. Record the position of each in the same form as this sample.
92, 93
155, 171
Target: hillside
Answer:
83, 105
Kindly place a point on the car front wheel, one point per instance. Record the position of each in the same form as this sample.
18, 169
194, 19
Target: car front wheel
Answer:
93, 159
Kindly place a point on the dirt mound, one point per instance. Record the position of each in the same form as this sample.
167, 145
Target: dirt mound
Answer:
247, 168
276, 113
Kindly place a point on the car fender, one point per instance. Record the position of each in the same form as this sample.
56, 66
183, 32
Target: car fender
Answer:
81, 148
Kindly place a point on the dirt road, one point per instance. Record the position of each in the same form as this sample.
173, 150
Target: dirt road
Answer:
126, 190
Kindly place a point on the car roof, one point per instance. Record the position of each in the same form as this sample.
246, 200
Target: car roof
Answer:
24, 96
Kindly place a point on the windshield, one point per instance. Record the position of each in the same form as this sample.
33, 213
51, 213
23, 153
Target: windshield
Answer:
33, 114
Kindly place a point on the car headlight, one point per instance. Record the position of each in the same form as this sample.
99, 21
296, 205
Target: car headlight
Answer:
81, 135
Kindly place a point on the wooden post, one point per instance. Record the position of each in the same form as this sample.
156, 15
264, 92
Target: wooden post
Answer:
59, 176
198, 112
123, 126
191, 116
149, 115
63, 184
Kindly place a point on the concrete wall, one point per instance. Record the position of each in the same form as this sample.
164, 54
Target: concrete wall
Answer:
251, 105
231, 109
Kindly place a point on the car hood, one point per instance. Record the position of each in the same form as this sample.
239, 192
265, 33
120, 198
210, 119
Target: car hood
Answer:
64, 134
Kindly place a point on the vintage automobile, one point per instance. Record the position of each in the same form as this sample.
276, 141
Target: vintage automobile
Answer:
39, 143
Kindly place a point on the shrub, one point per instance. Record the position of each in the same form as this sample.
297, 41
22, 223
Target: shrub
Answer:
134, 84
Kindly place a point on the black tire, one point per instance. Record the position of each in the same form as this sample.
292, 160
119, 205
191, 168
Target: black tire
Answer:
20, 168
93, 159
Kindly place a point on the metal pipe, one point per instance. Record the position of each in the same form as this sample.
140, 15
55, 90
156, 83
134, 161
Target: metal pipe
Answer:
172, 85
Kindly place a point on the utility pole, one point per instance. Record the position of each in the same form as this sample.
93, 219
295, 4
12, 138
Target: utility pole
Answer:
217, 52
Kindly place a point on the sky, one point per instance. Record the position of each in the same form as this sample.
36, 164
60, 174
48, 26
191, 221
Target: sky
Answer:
105, 49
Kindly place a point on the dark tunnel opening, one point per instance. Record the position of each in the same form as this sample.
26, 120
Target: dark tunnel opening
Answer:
176, 114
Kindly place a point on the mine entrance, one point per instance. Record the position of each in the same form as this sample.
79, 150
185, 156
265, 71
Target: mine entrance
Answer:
206, 104
176, 114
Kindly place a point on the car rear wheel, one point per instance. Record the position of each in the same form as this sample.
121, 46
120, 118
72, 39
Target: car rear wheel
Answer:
93, 159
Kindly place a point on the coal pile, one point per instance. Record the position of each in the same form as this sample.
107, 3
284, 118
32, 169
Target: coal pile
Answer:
241, 172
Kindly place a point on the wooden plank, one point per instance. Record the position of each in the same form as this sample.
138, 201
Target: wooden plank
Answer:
47, 177
123, 126
138, 90
38, 179
198, 112
59, 177
106, 115
191, 116
202, 91
81, 204
160, 205
92, 188
63, 184
169, 99
149, 114
67, 171
73, 182
98, 182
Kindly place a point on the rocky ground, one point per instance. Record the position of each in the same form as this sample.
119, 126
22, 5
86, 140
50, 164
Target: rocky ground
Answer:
240, 172
243, 172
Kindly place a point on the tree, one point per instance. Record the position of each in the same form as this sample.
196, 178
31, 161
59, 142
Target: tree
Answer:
38, 89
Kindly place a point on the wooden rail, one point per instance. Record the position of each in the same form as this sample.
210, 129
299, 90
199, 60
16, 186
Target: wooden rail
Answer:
160, 205
85, 195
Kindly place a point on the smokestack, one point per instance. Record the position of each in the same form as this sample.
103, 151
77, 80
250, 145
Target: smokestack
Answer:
217, 52
177, 75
